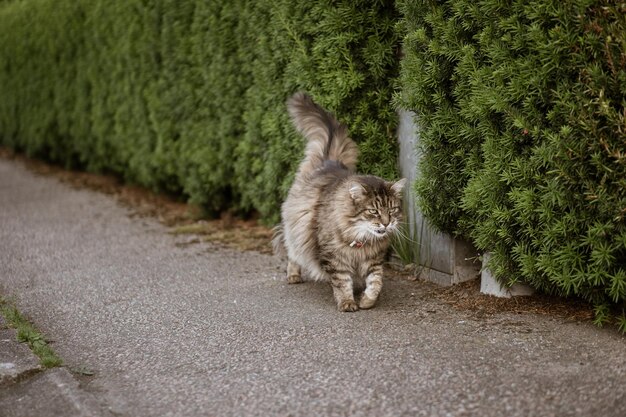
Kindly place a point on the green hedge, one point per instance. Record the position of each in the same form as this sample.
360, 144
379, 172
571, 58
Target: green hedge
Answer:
522, 109
188, 96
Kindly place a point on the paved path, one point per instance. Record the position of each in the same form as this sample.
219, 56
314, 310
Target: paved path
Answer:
175, 330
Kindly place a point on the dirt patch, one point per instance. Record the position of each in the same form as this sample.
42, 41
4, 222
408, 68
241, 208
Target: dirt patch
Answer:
466, 296
241, 234
230, 232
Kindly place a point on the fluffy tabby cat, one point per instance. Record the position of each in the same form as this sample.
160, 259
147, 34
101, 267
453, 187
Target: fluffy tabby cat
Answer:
336, 225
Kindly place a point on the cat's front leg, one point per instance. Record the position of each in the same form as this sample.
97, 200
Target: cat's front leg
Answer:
294, 273
373, 285
342, 290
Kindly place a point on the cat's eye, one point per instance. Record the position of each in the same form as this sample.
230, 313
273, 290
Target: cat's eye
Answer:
394, 210
372, 211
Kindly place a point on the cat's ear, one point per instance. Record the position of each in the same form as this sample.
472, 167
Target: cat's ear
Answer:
357, 191
398, 186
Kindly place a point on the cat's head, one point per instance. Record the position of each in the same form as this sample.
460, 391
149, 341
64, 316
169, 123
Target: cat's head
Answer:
377, 206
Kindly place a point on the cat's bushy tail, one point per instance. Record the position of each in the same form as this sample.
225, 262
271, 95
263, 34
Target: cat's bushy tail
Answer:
327, 138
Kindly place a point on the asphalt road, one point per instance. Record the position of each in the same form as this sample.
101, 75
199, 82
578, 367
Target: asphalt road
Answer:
193, 330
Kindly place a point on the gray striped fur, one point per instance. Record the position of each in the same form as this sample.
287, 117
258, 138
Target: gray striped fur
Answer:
336, 225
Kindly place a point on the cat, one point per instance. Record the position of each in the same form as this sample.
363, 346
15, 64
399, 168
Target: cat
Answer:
336, 225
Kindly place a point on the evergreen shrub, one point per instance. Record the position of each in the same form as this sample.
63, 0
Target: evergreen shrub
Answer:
189, 96
522, 108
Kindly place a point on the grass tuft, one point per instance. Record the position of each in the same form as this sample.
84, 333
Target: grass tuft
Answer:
408, 244
27, 333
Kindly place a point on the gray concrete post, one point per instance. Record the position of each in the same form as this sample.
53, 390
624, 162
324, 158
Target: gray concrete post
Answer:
443, 259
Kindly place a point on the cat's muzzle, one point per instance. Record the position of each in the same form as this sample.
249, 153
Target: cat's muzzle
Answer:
380, 232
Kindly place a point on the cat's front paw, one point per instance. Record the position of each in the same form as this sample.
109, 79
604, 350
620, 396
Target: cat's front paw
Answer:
294, 279
366, 302
348, 306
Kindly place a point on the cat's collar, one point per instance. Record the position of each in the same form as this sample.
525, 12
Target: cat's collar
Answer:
357, 244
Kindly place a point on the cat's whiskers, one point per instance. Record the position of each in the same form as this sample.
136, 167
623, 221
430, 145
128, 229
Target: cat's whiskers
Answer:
401, 232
